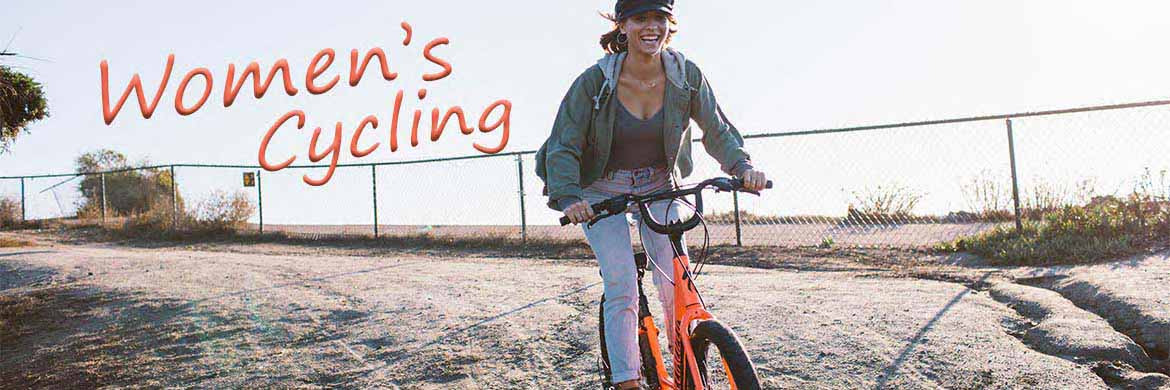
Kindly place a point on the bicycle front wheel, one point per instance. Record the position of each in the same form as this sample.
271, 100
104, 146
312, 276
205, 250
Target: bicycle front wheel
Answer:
736, 370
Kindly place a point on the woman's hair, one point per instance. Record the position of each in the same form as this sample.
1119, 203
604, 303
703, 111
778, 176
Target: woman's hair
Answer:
609, 41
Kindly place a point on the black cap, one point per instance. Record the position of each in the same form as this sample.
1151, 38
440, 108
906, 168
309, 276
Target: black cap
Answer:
627, 8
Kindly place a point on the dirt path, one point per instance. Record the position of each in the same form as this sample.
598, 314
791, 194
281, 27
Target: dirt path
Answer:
77, 315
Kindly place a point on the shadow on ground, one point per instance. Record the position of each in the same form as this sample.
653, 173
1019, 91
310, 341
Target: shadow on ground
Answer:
69, 335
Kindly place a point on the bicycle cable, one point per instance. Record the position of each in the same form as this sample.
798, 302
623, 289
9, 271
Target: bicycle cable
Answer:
702, 259
703, 253
649, 257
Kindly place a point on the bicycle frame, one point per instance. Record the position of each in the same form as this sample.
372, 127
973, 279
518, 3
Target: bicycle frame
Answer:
688, 308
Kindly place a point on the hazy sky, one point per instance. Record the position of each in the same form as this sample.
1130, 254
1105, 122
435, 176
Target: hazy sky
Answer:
776, 66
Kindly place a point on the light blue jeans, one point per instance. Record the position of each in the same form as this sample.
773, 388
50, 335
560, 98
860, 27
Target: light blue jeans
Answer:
610, 240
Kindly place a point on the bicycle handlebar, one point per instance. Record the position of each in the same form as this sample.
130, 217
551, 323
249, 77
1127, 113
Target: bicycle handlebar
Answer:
620, 203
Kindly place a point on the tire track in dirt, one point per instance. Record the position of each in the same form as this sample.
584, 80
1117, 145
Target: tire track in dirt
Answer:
1055, 326
1151, 333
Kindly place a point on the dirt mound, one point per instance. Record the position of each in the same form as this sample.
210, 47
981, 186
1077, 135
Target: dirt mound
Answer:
1130, 294
1062, 329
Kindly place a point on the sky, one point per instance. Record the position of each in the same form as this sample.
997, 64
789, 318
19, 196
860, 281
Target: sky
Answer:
775, 65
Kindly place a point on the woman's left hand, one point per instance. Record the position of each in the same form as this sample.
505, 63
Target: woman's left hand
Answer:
754, 180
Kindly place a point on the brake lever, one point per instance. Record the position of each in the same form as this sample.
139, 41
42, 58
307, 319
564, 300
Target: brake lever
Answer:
723, 185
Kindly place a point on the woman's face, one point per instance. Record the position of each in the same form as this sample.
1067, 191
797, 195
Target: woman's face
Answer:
646, 32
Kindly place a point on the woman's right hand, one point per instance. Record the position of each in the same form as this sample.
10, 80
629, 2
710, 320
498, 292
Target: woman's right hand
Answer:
579, 212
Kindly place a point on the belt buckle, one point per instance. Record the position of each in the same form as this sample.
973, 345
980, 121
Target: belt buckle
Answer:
644, 174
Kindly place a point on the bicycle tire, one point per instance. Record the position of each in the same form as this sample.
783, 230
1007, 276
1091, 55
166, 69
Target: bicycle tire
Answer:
727, 344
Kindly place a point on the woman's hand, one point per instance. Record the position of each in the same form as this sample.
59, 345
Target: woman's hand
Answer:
754, 180
579, 212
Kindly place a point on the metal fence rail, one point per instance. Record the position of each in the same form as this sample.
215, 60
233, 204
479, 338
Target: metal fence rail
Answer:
906, 184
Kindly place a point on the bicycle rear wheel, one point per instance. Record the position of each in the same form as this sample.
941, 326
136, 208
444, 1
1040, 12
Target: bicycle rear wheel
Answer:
736, 366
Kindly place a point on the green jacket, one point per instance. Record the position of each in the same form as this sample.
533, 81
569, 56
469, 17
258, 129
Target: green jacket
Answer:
576, 153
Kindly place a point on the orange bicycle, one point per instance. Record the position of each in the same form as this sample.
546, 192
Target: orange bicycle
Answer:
695, 329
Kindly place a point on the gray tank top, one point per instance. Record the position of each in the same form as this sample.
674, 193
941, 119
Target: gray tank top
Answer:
637, 143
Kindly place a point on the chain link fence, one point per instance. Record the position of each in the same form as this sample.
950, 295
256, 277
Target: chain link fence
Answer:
899, 185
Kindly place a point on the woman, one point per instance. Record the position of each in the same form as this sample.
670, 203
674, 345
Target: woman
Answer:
624, 127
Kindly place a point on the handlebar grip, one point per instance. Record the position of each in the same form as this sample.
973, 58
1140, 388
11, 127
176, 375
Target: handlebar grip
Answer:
597, 209
768, 184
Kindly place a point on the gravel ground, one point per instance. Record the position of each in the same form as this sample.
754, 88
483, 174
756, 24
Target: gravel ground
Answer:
84, 315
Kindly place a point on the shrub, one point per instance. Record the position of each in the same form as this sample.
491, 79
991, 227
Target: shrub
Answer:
1106, 227
127, 193
157, 218
9, 213
988, 197
22, 101
1045, 197
223, 212
883, 205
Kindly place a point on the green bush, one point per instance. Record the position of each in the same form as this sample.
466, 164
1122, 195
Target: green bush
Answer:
1106, 228
22, 101
127, 193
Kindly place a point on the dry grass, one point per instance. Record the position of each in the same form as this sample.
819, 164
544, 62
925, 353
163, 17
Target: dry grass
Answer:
9, 242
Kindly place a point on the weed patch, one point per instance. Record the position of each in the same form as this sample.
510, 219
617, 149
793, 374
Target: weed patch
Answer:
1105, 228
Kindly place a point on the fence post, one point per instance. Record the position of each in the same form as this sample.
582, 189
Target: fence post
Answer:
260, 199
1015, 182
374, 181
103, 177
738, 233
23, 216
523, 215
174, 201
